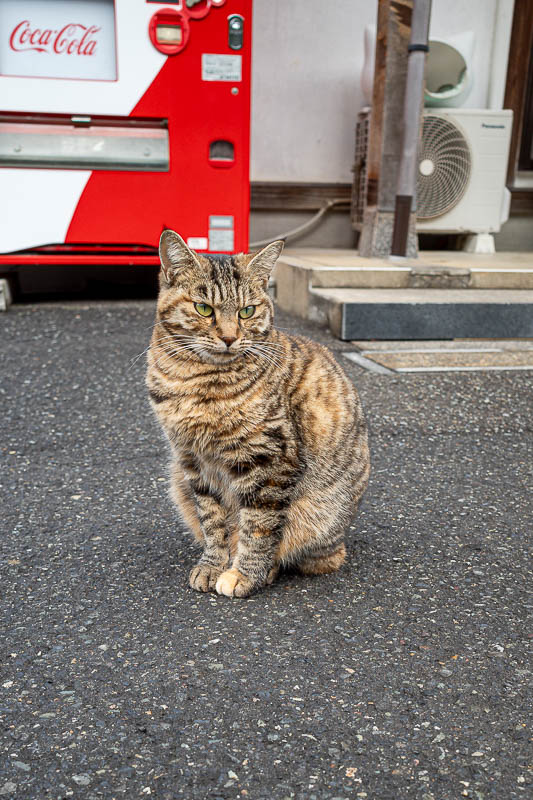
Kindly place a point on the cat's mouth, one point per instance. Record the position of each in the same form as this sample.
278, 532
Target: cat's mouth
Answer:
222, 356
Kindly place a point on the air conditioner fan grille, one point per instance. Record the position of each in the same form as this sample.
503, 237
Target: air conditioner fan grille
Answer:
445, 165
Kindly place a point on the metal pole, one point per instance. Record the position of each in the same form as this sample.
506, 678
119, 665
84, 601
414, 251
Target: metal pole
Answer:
412, 109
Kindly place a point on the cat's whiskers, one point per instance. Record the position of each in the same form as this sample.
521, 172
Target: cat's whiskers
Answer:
264, 343
260, 361
268, 346
172, 337
276, 351
171, 341
264, 350
264, 347
174, 352
267, 357
159, 322
140, 355
164, 355
268, 343
178, 349
178, 336
162, 362
134, 359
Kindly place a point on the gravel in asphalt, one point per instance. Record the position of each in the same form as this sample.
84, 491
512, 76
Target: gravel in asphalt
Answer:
406, 675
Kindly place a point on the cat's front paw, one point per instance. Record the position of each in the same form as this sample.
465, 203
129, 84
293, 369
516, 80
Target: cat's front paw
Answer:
233, 583
203, 577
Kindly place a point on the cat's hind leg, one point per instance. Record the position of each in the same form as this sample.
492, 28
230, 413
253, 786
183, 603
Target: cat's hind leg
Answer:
323, 562
273, 574
182, 495
313, 536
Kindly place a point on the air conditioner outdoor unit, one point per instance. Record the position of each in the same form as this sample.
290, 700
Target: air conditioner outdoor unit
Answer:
461, 173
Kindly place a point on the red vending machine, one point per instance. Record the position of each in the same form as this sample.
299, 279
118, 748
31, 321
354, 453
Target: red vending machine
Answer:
119, 118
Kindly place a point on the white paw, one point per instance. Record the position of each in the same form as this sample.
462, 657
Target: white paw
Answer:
233, 583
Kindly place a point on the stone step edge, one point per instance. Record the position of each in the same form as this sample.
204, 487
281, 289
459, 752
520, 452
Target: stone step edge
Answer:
436, 314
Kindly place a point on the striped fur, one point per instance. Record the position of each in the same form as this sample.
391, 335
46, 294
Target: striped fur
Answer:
269, 445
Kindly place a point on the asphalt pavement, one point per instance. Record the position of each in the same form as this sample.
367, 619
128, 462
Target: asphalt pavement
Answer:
406, 675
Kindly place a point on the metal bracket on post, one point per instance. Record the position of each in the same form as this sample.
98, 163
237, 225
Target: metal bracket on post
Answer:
405, 206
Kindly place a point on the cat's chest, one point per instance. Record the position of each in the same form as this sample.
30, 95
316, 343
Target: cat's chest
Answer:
206, 424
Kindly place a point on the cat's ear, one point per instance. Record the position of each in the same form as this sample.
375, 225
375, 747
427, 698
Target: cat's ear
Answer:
175, 255
263, 262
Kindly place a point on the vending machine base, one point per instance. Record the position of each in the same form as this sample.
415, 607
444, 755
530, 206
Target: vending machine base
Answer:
84, 271
80, 255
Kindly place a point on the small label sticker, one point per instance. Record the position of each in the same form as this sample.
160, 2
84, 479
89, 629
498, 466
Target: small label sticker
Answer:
221, 241
219, 67
197, 242
217, 221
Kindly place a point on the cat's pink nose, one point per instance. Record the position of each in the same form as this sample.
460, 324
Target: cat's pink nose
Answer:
228, 340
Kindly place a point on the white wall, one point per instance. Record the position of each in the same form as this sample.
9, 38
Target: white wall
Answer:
307, 60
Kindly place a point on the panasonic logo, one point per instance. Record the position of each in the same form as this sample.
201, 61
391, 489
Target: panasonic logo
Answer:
486, 125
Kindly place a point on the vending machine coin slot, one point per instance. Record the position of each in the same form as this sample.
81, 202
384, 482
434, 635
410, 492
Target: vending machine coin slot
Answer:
235, 31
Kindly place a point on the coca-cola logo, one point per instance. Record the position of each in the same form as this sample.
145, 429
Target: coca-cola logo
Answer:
72, 39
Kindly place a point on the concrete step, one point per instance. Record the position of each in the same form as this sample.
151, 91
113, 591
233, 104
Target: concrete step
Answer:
444, 294
422, 313
432, 270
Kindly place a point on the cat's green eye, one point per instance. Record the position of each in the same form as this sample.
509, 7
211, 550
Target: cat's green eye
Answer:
204, 310
246, 313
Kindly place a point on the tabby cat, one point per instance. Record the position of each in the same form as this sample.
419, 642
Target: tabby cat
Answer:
269, 444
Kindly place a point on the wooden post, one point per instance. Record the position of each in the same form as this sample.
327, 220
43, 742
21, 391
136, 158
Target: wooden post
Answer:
386, 129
